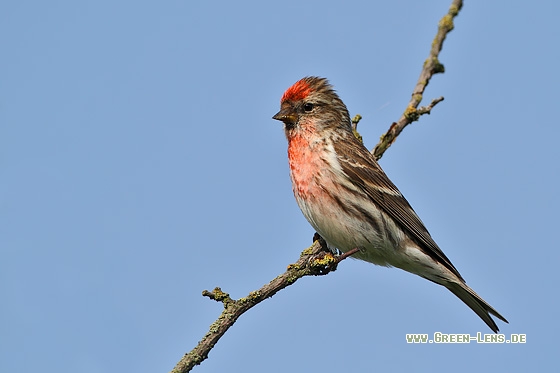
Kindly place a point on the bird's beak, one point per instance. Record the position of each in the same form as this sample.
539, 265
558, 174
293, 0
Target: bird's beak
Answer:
287, 116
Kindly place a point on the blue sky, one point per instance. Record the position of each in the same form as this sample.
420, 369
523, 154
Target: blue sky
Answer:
139, 165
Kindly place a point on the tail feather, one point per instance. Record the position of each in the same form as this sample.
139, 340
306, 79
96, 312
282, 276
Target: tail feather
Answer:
476, 303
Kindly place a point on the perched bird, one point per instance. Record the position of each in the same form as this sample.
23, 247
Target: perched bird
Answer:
350, 201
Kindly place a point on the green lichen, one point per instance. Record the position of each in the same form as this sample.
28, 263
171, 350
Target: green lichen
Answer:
196, 358
454, 10
308, 251
411, 113
292, 279
438, 67
357, 118
446, 22
254, 295
327, 260
219, 295
293, 267
215, 326
358, 136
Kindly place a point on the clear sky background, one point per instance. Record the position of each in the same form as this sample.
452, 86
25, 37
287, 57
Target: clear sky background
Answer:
139, 165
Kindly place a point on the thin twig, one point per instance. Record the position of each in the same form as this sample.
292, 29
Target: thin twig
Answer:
431, 66
314, 261
355, 122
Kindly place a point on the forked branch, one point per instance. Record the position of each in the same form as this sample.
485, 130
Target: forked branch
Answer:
431, 67
314, 261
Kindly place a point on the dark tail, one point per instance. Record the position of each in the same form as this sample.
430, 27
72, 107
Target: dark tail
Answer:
476, 303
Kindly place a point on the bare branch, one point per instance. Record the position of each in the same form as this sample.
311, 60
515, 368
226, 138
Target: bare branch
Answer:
314, 261
431, 66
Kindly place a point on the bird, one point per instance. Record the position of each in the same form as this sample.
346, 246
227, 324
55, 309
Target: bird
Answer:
349, 200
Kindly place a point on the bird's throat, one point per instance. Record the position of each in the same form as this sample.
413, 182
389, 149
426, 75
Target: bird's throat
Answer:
305, 165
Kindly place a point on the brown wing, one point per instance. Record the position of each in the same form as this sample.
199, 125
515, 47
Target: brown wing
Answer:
364, 171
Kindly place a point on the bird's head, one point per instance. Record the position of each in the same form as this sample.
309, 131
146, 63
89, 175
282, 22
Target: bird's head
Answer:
312, 104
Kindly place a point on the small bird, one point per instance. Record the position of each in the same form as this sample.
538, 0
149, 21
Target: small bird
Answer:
349, 200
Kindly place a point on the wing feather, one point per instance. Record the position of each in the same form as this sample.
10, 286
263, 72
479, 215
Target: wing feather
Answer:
365, 172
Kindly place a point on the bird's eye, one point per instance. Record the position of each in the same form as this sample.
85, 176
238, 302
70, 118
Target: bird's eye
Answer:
308, 106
